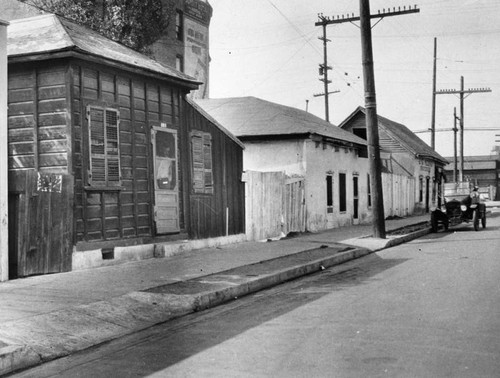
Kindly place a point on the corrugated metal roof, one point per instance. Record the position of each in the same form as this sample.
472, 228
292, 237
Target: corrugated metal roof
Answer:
251, 116
403, 136
51, 33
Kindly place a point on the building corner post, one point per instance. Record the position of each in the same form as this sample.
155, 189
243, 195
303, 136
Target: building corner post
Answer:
4, 196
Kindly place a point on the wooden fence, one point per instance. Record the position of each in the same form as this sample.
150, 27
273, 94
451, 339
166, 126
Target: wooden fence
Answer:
274, 204
399, 195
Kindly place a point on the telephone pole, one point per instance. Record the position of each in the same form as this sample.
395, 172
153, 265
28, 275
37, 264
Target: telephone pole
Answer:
433, 117
323, 71
455, 165
462, 92
370, 101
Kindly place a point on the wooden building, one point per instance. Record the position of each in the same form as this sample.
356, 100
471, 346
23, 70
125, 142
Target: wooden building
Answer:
105, 150
412, 170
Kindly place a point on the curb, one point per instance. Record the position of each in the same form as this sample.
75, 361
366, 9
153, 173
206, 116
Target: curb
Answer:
140, 310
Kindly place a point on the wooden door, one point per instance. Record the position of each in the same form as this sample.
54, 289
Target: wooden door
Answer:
41, 224
166, 210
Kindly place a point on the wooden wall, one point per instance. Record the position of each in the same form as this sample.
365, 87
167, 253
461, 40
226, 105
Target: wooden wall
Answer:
125, 211
40, 184
207, 212
38, 96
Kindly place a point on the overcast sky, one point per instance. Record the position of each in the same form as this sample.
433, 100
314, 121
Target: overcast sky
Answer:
270, 49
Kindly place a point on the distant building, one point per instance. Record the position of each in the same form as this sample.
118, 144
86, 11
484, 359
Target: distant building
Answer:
405, 154
185, 45
483, 171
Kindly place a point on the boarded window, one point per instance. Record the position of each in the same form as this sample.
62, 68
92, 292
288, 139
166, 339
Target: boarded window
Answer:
104, 150
329, 193
342, 192
201, 152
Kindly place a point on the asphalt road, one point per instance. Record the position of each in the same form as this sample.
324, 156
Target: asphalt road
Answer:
428, 308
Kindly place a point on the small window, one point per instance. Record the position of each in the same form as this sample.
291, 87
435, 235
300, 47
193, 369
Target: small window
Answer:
201, 152
179, 25
179, 63
329, 194
342, 193
104, 146
421, 190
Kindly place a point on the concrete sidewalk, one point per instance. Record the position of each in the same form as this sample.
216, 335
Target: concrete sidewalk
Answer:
47, 317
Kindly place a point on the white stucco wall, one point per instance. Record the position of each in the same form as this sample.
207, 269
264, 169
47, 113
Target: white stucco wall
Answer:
321, 160
307, 159
275, 156
419, 168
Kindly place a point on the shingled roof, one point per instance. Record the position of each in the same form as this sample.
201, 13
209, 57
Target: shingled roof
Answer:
47, 35
397, 137
248, 117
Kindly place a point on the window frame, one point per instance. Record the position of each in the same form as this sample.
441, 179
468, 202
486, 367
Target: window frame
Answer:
342, 192
329, 193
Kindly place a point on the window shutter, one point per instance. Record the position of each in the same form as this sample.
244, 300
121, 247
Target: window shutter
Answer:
201, 148
207, 158
103, 146
197, 154
112, 152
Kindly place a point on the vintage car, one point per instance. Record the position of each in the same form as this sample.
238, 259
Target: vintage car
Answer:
460, 206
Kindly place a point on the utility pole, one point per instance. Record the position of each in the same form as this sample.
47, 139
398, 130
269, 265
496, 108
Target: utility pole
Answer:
455, 118
462, 92
323, 71
370, 102
433, 119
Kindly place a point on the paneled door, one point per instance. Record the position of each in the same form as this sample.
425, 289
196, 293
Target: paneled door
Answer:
166, 210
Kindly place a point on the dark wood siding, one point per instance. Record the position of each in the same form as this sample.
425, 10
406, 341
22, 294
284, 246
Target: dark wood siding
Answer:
40, 183
38, 96
126, 211
207, 212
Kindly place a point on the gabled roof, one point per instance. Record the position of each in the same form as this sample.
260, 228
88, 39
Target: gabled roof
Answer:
254, 117
214, 121
400, 136
50, 34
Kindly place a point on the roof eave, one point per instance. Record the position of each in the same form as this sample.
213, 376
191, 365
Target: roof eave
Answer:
74, 52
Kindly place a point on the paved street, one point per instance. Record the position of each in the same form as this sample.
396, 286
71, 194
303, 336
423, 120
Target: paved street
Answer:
428, 308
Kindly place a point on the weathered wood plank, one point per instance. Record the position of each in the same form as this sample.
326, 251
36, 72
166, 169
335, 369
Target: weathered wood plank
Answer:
52, 133
21, 121
52, 92
52, 119
20, 95
52, 105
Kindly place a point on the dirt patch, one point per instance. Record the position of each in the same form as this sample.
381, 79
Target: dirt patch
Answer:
409, 229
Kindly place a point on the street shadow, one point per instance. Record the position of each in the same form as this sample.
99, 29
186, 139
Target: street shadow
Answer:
168, 344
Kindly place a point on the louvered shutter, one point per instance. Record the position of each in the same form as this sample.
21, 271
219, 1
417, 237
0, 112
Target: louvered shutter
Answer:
104, 151
112, 147
197, 155
201, 148
207, 163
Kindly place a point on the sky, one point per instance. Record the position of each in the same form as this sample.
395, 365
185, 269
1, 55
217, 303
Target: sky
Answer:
270, 49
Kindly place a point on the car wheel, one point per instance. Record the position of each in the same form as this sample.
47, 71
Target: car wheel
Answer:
475, 220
